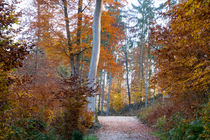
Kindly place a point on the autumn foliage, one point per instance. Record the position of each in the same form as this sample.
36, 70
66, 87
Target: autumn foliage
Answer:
11, 54
45, 52
73, 100
33, 94
183, 64
182, 56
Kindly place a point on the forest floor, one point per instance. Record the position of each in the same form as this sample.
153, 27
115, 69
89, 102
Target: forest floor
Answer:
123, 128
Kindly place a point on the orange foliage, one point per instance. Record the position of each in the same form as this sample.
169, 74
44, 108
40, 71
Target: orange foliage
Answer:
183, 59
111, 36
73, 96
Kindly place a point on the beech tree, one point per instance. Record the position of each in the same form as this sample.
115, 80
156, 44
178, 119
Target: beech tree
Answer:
182, 61
95, 51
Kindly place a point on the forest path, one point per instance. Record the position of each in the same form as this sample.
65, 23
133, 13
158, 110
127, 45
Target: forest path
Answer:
122, 128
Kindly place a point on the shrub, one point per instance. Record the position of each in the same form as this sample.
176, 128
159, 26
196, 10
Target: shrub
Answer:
32, 129
183, 129
205, 118
77, 135
74, 115
90, 137
152, 113
144, 112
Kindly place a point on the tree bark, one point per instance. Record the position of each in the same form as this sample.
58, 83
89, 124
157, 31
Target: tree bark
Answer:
127, 77
142, 68
38, 40
142, 56
99, 96
154, 95
140, 65
147, 75
99, 102
108, 99
95, 51
79, 26
71, 56
102, 90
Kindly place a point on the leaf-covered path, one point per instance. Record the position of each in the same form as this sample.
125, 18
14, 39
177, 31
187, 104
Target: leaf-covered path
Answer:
123, 128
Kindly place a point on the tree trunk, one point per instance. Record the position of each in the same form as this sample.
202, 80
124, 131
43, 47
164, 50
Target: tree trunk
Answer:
37, 49
147, 74
99, 97
140, 64
127, 77
81, 74
150, 70
99, 102
79, 26
77, 66
95, 51
154, 95
102, 90
71, 57
108, 99
142, 56
142, 68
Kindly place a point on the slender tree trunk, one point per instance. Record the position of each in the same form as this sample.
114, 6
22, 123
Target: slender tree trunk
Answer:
140, 65
127, 71
77, 67
95, 51
154, 95
71, 57
79, 26
150, 70
38, 40
99, 98
142, 56
142, 68
127, 77
108, 99
99, 102
147, 76
102, 95
163, 99
140, 77
81, 73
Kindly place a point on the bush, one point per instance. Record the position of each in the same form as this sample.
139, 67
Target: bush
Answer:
31, 122
145, 112
77, 135
157, 110
74, 115
182, 129
174, 125
32, 129
90, 137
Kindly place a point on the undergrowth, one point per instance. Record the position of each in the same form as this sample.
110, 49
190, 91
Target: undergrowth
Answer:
174, 125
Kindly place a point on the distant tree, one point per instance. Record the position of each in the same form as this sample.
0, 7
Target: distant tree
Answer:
102, 90
109, 92
147, 11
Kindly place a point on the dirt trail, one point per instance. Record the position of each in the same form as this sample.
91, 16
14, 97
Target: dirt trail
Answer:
122, 128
